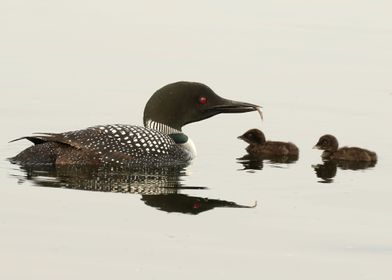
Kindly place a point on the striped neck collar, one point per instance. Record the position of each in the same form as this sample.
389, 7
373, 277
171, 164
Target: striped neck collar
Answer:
163, 128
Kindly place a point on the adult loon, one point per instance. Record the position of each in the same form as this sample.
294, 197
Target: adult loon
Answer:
160, 141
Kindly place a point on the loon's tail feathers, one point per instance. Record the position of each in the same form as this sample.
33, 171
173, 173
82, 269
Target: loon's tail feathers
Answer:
52, 149
38, 139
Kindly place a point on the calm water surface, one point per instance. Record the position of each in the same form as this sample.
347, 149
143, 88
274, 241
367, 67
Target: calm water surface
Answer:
314, 73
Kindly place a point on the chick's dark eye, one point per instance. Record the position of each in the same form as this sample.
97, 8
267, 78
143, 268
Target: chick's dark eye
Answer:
203, 100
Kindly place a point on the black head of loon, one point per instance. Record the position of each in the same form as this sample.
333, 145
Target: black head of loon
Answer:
178, 104
160, 141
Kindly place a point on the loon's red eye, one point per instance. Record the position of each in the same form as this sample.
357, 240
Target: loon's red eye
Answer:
203, 100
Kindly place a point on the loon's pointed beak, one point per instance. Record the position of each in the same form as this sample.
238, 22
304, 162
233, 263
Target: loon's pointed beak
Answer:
231, 106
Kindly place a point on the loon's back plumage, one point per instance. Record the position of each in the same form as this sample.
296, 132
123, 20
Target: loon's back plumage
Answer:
120, 144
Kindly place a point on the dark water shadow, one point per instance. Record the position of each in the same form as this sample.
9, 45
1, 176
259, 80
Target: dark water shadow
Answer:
159, 187
325, 171
328, 169
252, 163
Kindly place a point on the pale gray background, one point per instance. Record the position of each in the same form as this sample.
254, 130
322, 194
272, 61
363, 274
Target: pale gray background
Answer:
315, 67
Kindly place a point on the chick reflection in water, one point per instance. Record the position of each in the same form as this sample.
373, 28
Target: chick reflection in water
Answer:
159, 187
328, 169
346, 158
259, 149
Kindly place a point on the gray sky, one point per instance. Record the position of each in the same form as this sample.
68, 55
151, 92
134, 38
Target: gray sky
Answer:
84, 47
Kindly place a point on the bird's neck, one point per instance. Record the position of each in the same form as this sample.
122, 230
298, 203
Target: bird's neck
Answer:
177, 135
161, 127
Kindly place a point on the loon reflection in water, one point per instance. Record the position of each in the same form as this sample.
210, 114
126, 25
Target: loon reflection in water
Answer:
328, 169
159, 187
